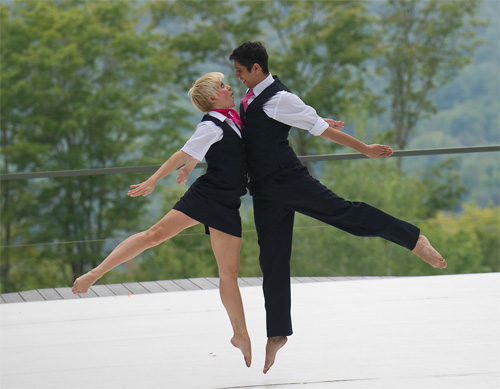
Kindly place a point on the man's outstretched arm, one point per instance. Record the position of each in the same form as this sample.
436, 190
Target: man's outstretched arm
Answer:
371, 151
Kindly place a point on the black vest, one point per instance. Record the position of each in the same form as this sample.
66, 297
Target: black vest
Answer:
226, 167
266, 139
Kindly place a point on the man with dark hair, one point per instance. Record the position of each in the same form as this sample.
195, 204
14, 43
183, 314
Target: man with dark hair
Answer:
280, 185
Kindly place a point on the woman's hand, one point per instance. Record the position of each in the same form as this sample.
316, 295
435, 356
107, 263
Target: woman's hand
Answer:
186, 170
142, 189
378, 151
183, 175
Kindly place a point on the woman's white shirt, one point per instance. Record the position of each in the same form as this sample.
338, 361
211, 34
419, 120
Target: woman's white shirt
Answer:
206, 134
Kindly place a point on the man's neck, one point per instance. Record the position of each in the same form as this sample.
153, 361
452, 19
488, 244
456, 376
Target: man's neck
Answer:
262, 78
263, 84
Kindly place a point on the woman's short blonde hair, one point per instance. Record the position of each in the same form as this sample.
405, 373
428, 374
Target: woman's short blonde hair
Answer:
205, 87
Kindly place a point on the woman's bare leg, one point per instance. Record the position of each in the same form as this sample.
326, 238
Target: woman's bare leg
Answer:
227, 253
169, 226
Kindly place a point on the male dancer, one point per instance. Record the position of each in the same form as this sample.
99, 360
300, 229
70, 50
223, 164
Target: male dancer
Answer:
281, 185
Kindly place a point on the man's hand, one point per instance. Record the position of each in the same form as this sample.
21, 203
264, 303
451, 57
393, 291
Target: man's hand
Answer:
378, 151
336, 125
142, 189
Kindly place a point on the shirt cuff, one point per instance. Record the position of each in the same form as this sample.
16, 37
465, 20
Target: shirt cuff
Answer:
193, 154
319, 127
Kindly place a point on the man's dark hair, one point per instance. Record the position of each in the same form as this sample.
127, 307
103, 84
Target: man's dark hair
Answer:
249, 53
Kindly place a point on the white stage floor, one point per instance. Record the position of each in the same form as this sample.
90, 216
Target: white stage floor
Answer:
424, 332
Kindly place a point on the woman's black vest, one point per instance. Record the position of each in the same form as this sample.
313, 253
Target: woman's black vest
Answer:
266, 139
226, 167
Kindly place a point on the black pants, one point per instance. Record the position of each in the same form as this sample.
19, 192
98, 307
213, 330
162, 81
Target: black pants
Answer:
276, 199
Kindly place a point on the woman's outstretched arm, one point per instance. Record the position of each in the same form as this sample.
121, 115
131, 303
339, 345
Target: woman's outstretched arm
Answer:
174, 162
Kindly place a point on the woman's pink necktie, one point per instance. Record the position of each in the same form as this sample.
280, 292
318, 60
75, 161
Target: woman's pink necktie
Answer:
231, 114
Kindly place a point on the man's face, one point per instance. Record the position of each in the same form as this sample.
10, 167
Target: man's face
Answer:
248, 78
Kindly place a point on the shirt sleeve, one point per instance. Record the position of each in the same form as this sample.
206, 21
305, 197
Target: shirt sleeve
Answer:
288, 108
205, 135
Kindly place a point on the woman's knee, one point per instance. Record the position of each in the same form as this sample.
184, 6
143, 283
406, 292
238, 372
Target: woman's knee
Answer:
155, 236
229, 272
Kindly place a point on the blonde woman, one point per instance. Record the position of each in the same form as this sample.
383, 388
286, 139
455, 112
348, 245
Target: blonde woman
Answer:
213, 199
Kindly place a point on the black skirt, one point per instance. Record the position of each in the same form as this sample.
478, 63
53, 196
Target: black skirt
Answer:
215, 207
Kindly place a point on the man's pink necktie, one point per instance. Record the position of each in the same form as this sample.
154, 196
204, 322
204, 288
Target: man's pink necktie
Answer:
231, 114
245, 99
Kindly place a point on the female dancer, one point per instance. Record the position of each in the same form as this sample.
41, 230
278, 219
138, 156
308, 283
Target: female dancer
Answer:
213, 199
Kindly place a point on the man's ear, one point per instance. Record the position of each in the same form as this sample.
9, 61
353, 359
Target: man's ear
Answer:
258, 69
212, 99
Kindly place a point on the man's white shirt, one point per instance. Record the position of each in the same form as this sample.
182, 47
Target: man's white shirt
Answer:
284, 107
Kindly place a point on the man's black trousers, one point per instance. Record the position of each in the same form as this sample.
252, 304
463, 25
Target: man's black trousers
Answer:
276, 199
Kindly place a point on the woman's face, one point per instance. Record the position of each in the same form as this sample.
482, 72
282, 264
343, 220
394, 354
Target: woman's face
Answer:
225, 99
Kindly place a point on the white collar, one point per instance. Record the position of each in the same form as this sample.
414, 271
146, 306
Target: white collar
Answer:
259, 88
218, 115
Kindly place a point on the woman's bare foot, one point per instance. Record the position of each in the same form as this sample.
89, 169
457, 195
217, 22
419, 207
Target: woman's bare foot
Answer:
273, 345
243, 343
424, 250
83, 283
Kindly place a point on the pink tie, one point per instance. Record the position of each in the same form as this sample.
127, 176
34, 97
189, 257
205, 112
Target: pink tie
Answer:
245, 99
231, 114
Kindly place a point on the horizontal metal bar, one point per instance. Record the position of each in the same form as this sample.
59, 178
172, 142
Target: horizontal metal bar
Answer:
303, 158
402, 153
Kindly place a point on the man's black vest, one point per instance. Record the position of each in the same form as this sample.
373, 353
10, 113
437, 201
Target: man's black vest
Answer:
226, 160
266, 139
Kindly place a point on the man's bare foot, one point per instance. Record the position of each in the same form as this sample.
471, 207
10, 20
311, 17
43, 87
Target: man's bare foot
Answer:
424, 250
273, 345
243, 343
83, 283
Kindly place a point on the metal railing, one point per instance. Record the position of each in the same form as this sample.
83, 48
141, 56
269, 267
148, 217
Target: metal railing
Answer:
304, 158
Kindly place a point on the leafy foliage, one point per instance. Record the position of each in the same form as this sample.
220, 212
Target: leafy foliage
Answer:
80, 88
89, 84
425, 45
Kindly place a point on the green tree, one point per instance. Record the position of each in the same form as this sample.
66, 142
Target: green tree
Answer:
82, 87
203, 34
425, 44
469, 239
318, 48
